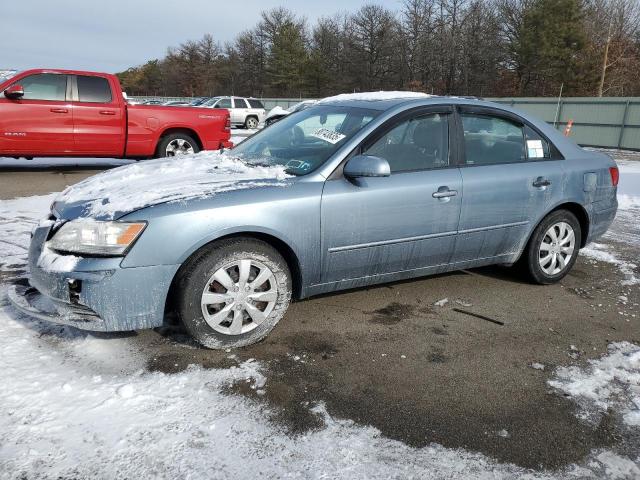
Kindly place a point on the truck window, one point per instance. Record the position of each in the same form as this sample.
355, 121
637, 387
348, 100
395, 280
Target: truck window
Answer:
93, 89
44, 86
255, 103
239, 103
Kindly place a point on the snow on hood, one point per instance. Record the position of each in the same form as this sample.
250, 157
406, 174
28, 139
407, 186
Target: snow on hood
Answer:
373, 96
129, 188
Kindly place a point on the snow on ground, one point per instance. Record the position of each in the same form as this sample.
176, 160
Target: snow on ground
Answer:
167, 180
611, 382
75, 405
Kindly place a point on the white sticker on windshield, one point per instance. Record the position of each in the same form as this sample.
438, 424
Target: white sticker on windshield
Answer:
328, 135
535, 149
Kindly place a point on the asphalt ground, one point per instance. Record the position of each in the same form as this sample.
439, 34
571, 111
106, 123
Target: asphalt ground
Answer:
389, 357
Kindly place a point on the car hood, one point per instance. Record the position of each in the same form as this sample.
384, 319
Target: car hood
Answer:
112, 194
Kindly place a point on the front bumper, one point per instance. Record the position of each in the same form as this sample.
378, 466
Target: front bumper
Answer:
97, 294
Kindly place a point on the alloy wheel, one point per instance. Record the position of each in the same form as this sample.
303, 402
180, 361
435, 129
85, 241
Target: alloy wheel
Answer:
179, 146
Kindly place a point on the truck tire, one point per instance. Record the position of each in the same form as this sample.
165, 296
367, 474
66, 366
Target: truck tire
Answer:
176, 144
553, 248
251, 123
233, 293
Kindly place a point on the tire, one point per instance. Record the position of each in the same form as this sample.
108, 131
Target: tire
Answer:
251, 123
232, 320
184, 145
547, 268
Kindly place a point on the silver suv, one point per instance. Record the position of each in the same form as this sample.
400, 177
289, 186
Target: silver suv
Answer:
245, 112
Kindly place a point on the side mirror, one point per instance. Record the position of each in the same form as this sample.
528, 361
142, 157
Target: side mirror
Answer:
14, 92
367, 166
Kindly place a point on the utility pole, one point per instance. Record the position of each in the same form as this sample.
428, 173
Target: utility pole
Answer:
605, 58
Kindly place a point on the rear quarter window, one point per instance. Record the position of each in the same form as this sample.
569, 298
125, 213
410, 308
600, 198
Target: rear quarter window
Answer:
255, 103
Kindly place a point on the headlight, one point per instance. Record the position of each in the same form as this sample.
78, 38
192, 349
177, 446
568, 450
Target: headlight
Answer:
91, 237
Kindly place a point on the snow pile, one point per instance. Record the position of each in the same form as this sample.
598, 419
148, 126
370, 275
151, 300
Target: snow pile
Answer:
611, 382
17, 219
131, 187
375, 96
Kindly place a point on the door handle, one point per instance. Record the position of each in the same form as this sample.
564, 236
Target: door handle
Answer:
444, 192
59, 110
541, 182
107, 112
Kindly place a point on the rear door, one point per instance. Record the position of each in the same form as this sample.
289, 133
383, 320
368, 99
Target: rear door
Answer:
400, 223
511, 176
41, 122
99, 117
239, 110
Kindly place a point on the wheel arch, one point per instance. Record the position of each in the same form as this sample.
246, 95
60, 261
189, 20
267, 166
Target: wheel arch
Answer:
188, 131
578, 210
282, 247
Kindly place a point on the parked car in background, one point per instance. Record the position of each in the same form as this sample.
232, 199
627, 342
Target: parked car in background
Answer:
354, 191
278, 113
245, 112
73, 113
199, 101
176, 103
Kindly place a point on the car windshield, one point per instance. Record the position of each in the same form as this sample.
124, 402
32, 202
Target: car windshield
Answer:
211, 101
305, 140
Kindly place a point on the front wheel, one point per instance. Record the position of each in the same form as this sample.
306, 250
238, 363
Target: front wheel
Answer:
233, 293
176, 145
553, 247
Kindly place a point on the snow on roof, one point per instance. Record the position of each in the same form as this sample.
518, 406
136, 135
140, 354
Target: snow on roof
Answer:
132, 187
374, 96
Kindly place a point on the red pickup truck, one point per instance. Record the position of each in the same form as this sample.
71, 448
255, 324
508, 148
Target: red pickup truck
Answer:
73, 113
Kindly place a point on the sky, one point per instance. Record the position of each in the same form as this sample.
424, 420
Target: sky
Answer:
113, 35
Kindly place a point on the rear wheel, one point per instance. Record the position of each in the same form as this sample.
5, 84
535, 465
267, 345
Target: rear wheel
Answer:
177, 144
251, 123
553, 247
234, 293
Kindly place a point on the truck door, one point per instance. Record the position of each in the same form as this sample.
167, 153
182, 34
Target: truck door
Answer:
99, 117
41, 122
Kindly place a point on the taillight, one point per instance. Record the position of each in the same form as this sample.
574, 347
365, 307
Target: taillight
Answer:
227, 125
615, 175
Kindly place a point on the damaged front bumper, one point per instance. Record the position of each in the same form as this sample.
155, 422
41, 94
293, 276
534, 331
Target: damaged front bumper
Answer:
96, 294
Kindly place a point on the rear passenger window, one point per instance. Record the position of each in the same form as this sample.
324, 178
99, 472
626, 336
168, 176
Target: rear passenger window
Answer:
44, 86
93, 89
239, 103
419, 143
490, 140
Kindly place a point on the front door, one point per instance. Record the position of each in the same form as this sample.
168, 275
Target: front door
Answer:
98, 117
400, 223
511, 177
41, 122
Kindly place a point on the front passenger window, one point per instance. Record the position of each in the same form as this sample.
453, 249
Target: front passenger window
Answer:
490, 140
44, 86
419, 143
